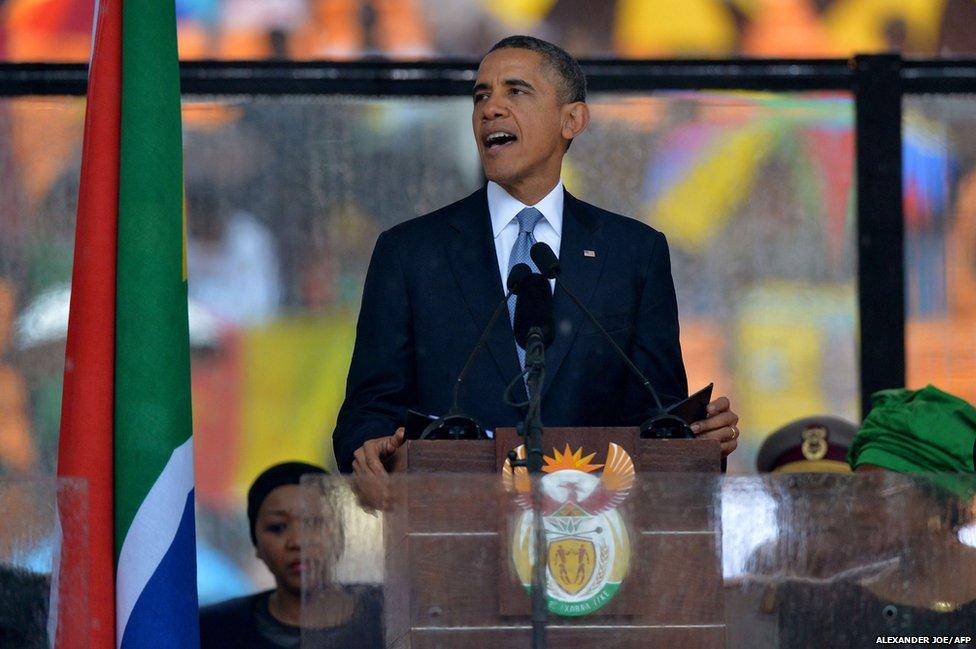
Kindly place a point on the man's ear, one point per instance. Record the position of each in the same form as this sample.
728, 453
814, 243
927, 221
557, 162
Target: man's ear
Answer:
576, 117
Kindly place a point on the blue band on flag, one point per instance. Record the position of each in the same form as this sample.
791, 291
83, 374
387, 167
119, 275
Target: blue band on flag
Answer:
166, 613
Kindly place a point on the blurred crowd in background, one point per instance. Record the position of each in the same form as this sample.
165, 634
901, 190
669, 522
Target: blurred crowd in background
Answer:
286, 196
59, 30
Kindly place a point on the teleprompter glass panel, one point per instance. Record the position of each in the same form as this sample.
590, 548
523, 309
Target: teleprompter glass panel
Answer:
457, 555
44, 563
436, 559
843, 560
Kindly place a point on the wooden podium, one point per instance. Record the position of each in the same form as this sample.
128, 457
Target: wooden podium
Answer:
450, 581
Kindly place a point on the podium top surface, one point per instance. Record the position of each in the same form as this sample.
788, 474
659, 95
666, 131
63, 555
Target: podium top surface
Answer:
649, 455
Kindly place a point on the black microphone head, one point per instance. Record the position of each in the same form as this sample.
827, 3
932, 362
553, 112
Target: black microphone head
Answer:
533, 308
454, 426
546, 260
518, 275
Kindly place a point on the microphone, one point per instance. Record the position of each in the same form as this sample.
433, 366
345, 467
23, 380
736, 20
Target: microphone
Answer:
518, 274
533, 310
661, 425
455, 424
534, 327
546, 260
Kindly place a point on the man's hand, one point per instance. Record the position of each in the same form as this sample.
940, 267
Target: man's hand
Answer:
721, 424
372, 456
371, 481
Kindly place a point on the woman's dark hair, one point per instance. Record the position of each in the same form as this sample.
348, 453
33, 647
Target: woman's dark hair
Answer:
279, 475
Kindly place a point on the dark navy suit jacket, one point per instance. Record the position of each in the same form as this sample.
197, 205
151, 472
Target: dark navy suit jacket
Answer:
432, 286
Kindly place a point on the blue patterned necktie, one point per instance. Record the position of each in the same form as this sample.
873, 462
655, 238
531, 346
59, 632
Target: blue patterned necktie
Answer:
527, 220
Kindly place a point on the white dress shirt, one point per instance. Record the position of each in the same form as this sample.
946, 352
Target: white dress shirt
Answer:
503, 209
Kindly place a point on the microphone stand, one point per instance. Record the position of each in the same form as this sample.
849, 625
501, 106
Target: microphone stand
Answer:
660, 424
538, 325
535, 365
662, 420
455, 424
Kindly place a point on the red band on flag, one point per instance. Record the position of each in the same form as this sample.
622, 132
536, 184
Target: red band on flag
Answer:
86, 440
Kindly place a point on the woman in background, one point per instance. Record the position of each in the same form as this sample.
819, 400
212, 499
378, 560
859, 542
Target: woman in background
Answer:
335, 615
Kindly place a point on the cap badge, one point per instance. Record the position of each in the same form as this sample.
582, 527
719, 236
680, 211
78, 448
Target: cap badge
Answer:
814, 443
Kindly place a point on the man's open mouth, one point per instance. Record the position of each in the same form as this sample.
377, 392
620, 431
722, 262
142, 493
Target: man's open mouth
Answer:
498, 139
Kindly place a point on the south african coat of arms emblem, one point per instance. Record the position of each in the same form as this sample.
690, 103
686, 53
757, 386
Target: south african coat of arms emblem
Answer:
587, 543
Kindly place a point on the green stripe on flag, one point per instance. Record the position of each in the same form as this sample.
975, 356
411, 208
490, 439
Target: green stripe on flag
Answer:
152, 370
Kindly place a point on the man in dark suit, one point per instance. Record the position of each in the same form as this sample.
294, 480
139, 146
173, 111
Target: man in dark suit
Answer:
433, 283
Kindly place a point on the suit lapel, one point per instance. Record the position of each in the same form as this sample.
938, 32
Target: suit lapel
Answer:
475, 267
581, 273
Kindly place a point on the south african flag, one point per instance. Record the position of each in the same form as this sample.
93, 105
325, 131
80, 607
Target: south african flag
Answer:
126, 420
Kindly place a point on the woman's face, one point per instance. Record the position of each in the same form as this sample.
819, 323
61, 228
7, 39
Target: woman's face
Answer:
291, 554
278, 533
906, 511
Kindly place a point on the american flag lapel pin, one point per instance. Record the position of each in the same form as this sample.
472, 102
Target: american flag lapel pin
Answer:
589, 253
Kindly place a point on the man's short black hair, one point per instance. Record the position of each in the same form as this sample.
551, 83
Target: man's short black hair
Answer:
570, 73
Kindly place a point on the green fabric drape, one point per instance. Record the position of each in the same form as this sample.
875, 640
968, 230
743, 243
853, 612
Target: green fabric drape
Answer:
919, 431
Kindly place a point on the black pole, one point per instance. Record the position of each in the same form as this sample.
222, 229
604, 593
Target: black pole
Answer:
880, 223
535, 363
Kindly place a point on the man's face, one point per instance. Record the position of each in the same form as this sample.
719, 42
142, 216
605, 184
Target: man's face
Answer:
518, 118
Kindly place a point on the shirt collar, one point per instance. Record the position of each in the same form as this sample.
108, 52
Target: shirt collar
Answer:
503, 208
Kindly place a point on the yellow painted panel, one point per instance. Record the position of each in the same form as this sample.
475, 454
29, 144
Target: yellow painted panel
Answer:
294, 381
